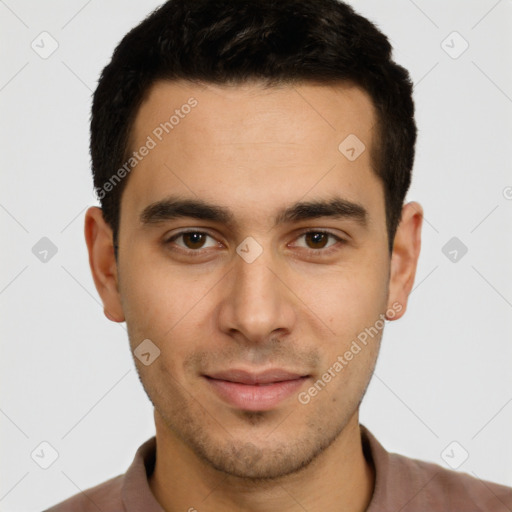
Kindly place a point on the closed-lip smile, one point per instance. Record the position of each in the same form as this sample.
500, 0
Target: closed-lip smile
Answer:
255, 391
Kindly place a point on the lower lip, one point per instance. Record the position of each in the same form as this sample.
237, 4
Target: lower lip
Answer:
255, 398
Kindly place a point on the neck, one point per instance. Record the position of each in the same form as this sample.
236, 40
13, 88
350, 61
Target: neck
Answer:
340, 479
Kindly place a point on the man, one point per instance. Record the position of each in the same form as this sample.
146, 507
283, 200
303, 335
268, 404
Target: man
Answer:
252, 159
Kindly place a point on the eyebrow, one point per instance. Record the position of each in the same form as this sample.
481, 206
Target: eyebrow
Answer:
172, 207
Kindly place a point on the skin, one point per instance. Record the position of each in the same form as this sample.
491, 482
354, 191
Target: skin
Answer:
298, 306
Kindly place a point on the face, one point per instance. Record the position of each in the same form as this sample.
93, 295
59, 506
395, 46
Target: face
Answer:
253, 254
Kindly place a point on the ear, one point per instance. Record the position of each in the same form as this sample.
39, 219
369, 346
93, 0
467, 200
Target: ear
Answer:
404, 259
100, 244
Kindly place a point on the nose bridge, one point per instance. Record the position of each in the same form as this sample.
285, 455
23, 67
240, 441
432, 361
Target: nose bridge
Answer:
258, 302
254, 280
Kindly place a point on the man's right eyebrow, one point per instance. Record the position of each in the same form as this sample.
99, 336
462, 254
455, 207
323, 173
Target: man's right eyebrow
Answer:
171, 208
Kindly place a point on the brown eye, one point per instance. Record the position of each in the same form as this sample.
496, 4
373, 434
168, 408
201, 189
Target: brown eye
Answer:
194, 240
316, 240
319, 243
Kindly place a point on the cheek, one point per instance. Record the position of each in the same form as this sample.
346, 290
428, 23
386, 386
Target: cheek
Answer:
148, 290
350, 352
163, 304
355, 304
348, 300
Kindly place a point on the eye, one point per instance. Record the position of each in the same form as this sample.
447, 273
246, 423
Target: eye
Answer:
192, 241
319, 240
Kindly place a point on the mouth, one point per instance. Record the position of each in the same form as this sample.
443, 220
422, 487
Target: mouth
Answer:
261, 391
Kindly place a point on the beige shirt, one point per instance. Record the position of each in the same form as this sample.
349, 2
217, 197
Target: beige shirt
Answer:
402, 484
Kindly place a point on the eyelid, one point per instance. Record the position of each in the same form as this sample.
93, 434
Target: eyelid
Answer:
326, 231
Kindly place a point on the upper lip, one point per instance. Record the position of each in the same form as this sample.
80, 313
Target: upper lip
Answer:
265, 377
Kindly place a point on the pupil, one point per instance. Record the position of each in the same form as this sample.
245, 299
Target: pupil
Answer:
195, 239
317, 238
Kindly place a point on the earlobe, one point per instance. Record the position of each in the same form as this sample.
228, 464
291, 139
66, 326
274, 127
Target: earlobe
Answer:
404, 259
98, 237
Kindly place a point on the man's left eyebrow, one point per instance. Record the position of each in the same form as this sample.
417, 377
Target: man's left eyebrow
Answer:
172, 208
337, 208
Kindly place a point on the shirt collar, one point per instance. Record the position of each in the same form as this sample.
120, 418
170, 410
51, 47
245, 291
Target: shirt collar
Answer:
136, 493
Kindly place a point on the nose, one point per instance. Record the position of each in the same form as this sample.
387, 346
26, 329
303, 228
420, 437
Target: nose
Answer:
257, 301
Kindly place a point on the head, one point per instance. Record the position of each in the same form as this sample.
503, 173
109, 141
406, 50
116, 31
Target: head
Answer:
280, 136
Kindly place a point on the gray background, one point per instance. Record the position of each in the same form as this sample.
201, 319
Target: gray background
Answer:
68, 377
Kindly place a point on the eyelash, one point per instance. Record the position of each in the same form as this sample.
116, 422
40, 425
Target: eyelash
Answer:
200, 252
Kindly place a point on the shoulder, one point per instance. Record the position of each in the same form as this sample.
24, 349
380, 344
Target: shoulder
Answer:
130, 488
407, 484
104, 496
443, 489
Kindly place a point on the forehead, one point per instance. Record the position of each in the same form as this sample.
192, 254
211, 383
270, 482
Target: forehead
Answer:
247, 144
339, 108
